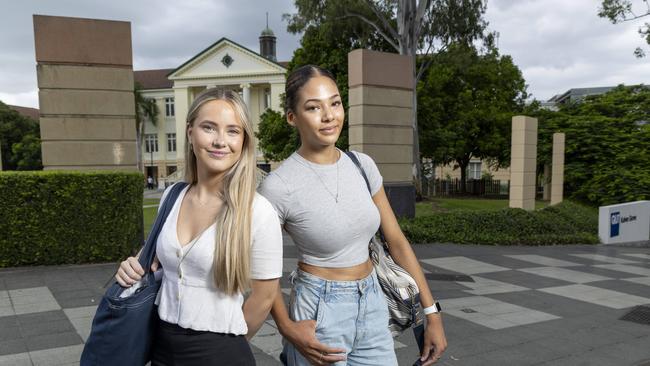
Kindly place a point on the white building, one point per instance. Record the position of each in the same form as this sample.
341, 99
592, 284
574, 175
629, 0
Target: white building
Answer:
258, 77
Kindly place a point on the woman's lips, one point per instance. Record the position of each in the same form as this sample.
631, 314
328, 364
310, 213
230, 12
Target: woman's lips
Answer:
217, 154
328, 130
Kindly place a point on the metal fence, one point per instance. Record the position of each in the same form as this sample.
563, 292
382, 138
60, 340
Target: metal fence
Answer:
473, 187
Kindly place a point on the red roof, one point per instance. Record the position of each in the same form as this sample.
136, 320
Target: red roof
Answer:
32, 113
153, 79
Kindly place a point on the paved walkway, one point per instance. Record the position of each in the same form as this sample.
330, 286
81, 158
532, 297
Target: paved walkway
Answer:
518, 306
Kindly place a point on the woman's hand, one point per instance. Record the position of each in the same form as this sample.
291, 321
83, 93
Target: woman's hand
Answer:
131, 271
435, 341
302, 334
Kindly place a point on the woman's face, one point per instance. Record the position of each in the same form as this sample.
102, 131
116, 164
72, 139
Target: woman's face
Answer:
318, 114
217, 137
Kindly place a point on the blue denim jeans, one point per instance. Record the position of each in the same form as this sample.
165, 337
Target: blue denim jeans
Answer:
352, 315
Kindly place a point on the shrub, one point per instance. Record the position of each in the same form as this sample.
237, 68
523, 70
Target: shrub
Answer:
566, 223
55, 217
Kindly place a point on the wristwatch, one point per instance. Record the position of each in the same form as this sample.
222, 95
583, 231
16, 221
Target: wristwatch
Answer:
435, 308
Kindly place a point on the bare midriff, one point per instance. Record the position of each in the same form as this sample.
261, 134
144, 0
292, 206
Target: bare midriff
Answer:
353, 273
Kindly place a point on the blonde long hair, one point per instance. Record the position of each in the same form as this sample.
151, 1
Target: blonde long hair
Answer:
231, 266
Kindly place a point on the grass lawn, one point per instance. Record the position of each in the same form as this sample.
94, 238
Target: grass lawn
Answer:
150, 201
431, 206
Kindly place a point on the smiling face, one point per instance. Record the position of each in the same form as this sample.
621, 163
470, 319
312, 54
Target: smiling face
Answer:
318, 113
217, 137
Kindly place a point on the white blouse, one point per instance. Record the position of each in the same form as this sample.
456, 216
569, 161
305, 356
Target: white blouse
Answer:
188, 297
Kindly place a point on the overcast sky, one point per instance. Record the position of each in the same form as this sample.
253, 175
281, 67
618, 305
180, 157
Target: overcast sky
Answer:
558, 44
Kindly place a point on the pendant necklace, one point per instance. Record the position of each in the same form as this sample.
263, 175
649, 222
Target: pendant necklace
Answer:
335, 196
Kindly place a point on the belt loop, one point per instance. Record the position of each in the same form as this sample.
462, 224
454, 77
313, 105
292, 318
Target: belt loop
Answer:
292, 276
327, 289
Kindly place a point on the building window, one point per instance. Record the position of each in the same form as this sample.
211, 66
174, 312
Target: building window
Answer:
169, 107
474, 170
171, 169
171, 142
151, 142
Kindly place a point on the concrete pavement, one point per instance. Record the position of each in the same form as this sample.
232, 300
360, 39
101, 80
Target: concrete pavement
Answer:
558, 305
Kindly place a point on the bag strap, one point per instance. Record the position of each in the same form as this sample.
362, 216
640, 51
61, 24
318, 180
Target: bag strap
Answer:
149, 249
356, 162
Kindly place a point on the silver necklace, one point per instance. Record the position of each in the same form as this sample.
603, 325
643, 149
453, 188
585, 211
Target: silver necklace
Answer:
335, 196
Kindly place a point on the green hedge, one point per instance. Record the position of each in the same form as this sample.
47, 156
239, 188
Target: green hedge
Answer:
566, 223
56, 217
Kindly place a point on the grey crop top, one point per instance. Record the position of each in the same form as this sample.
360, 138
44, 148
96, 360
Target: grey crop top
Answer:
327, 233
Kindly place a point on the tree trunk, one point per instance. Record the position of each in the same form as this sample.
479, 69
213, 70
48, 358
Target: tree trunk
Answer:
463, 175
139, 131
417, 169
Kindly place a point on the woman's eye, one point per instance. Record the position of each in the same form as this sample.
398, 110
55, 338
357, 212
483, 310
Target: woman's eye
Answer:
233, 132
208, 128
312, 108
337, 103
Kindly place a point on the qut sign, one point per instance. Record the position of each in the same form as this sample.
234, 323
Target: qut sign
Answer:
626, 222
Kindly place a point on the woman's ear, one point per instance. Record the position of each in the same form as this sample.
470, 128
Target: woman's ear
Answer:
291, 118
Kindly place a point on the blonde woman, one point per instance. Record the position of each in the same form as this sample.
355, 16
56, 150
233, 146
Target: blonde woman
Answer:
221, 239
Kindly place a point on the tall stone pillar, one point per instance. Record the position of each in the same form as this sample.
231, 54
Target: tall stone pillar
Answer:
557, 180
523, 162
85, 80
276, 92
380, 120
246, 94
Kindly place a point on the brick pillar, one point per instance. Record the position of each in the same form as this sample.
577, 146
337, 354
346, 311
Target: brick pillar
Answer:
85, 80
380, 100
523, 162
557, 180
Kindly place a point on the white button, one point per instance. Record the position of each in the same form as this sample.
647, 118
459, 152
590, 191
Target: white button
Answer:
179, 253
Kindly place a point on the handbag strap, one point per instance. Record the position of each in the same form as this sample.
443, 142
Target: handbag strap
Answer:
149, 249
356, 162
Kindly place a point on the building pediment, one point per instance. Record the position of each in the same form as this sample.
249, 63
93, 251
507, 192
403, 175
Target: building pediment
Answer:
226, 58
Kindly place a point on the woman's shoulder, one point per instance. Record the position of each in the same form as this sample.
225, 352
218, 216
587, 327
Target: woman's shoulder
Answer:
169, 188
277, 183
262, 207
365, 159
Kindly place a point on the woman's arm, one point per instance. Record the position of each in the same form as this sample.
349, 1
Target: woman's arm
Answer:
401, 251
259, 302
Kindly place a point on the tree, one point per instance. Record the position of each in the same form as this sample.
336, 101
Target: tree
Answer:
145, 110
619, 11
24, 132
467, 100
27, 153
410, 27
277, 139
607, 159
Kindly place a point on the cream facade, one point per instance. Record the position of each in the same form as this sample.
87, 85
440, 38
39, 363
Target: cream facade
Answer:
225, 64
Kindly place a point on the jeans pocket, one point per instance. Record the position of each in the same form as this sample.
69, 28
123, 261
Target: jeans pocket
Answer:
306, 304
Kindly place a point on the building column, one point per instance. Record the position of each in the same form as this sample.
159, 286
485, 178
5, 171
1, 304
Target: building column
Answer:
557, 180
276, 90
246, 94
181, 104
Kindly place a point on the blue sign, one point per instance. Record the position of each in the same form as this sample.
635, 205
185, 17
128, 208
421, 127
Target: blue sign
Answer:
614, 224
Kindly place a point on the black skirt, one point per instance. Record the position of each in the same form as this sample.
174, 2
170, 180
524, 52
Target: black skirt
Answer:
176, 346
